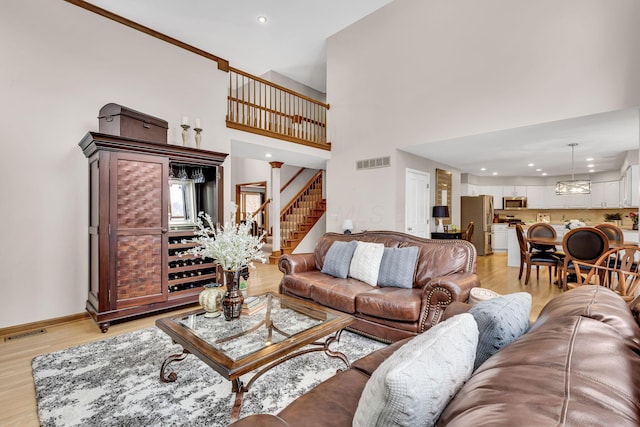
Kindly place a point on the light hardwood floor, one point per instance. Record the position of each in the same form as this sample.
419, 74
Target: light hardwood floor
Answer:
17, 392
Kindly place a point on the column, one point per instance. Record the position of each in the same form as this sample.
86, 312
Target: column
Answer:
274, 210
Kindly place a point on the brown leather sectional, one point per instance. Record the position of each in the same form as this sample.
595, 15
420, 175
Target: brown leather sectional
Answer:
445, 272
578, 365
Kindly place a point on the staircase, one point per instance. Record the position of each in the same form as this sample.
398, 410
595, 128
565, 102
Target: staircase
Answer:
299, 216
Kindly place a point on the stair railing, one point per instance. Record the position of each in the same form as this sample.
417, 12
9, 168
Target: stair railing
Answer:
295, 211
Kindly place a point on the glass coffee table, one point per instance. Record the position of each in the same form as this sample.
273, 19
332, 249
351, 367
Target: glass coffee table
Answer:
259, 341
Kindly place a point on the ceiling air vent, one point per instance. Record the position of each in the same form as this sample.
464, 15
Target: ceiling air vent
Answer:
380, 162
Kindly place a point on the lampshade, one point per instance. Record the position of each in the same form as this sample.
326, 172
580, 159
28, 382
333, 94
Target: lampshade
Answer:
441, 211
347, 224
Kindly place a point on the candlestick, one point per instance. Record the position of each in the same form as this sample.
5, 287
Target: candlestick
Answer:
198, 123
185, 120
185, 134
198, 136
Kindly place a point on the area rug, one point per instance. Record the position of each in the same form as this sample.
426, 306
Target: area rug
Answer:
115, 382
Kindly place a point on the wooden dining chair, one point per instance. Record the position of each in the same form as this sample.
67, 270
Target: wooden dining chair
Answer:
541, 229
466, 234
617, 269
613, 232
585, 245
537, 259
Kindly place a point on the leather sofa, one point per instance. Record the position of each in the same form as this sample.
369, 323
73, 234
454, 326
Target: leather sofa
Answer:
445, 272
578, 365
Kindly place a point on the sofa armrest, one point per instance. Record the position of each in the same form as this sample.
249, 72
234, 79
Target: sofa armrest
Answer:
296, 263
260, 420
441, 292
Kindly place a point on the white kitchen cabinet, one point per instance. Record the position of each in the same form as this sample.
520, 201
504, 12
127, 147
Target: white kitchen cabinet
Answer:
535, 197
605, 194
629, 186
635, 185
495, 191
469, 190
571, 201
514, 191
500, 237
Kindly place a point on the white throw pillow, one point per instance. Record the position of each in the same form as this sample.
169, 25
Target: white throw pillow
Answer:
414, 385
365, 263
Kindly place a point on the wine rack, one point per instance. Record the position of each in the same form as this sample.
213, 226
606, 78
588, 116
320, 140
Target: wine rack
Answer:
188, 272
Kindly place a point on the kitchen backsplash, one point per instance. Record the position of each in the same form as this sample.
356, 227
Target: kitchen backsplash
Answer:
559, 216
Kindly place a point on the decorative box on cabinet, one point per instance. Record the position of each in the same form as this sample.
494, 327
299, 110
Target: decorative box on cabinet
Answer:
130, 245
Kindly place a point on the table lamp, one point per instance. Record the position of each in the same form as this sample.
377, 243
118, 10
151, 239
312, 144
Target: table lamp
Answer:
347, 226
440, 212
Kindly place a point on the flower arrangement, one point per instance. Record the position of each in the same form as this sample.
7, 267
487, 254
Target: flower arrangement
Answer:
574, 223
232, 246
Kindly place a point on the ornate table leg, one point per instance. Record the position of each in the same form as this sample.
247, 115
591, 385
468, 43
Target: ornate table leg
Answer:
239, 389
173, 358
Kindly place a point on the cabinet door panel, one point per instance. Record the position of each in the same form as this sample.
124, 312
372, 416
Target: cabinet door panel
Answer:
138, 220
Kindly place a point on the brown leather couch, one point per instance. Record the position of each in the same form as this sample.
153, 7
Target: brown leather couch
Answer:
445, 272
578, 365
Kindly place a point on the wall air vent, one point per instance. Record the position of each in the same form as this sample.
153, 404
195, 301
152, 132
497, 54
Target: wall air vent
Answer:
380, 162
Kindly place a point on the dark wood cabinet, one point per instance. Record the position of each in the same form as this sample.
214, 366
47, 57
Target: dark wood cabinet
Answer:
134, 266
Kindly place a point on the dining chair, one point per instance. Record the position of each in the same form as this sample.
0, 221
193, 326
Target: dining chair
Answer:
585, 245
537, 259
621, 276
466, 234
541, 229
613, 232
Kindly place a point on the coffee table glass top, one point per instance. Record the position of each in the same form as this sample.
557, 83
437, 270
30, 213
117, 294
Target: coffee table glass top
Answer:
276, 321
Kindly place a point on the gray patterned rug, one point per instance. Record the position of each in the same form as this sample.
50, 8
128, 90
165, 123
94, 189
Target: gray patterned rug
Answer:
115, 382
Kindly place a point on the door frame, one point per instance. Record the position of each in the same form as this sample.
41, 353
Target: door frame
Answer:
428, 198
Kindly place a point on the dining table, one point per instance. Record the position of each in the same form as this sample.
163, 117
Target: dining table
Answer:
557, 241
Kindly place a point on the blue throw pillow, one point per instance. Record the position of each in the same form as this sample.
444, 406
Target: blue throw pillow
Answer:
338, 258
500, 320
398, 266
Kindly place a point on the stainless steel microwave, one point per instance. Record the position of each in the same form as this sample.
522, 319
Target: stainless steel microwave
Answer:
514, 202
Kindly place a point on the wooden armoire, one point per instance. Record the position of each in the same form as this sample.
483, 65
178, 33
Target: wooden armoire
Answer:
135, 266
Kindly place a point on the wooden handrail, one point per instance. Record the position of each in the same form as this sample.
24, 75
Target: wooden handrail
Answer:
297, 196
261, 208
277, 86
297, 174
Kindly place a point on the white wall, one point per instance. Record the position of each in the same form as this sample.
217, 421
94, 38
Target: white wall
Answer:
418, 71
60, 64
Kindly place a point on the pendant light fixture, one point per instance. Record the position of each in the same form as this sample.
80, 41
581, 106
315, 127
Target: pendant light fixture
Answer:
574, 186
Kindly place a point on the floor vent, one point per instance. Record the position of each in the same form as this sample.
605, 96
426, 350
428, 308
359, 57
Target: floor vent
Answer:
380, 162
25, 334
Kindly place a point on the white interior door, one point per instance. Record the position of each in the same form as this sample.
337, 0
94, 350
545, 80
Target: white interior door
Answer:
416, 205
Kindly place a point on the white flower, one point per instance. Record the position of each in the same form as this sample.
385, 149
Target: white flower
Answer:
232, 246
574, 223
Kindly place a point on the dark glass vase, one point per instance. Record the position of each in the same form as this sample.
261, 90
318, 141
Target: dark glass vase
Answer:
232, 299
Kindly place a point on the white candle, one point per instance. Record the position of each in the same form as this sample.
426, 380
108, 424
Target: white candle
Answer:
185, 120
198, 124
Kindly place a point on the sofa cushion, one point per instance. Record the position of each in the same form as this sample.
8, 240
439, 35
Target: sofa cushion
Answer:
500, 320
414, 385
338, 259
391, 303
398, 267
339, 294
365, 264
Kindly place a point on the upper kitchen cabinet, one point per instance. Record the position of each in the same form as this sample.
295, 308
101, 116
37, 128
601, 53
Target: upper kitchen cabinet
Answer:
495, 191
629, 187
605, 194
469, 190
514, 191
573, 201
535, 197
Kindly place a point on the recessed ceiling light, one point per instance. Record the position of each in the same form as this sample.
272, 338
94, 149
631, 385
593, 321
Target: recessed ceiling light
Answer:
590, 166
589, 159
592, 170
262, 19
483, 169
267, 155
530, 164
495, 173
544, 174
538, 170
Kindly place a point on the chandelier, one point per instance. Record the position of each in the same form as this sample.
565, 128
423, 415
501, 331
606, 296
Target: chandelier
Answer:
574, 186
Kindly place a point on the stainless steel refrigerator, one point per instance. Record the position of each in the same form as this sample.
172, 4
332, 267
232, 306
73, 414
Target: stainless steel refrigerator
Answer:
478, 209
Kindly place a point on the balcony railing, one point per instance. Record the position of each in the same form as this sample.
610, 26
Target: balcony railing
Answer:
259, 106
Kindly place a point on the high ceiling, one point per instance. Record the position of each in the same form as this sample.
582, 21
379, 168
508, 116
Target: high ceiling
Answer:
292, 43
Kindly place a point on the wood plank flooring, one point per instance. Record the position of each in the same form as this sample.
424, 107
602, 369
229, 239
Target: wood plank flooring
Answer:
17, 392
